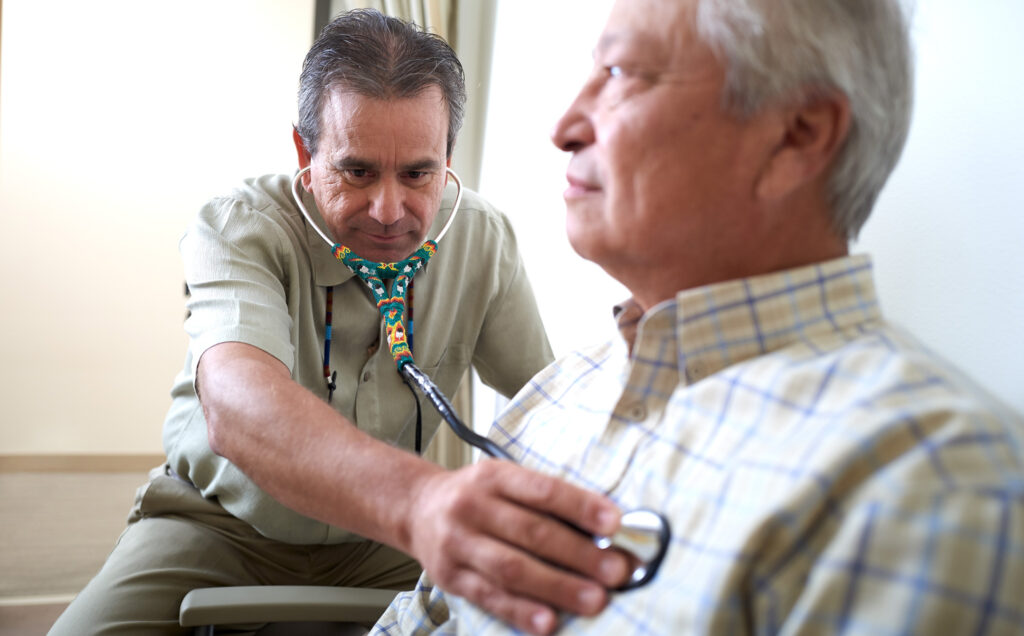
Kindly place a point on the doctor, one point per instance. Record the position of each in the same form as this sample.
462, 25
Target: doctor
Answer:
286, 466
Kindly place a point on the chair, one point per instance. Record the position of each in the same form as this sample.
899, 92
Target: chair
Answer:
285, 609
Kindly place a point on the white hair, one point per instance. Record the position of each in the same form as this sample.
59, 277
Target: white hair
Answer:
783, 51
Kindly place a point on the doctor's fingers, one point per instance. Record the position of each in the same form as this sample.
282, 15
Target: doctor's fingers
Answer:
589, 511
550, 540
523, 613
517, 587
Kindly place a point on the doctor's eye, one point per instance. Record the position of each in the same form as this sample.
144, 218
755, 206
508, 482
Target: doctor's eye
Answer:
416, 178
614, 70
358, 175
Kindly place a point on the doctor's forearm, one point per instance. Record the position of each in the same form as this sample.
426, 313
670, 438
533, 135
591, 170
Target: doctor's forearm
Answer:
301, 451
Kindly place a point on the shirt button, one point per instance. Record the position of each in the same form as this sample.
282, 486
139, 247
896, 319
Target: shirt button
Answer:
637, 412
366, 376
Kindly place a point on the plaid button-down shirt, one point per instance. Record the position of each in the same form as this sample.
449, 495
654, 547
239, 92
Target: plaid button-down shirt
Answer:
823, 472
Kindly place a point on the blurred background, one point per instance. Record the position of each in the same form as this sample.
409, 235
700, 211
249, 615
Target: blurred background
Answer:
119, 118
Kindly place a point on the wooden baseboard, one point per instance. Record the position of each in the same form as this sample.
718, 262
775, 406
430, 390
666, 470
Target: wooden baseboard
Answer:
79, 463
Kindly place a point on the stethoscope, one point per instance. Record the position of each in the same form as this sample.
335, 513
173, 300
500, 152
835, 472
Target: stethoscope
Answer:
643, 533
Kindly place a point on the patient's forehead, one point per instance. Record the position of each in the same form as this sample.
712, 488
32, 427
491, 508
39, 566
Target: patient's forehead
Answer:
654, 32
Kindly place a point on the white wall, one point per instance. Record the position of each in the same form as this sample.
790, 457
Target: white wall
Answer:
538, 66
118, 120
947, 235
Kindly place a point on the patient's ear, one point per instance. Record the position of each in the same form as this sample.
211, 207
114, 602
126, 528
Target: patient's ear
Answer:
303, 154
810, 137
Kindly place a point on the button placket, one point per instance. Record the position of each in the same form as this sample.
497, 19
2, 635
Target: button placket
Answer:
637, 411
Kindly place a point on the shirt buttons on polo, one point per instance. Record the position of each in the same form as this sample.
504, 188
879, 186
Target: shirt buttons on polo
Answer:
695, 372
636, 412
366, 376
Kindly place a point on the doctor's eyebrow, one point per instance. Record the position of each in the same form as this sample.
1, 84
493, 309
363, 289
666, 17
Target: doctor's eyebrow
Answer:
422, 165
357, 163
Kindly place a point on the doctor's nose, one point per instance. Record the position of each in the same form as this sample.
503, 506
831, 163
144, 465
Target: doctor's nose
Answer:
387, 206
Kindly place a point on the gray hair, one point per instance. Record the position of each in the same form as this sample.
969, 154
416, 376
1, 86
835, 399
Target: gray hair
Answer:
783, 51
381, 57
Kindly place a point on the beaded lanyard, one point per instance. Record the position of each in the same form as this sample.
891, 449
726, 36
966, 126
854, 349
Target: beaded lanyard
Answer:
393, 307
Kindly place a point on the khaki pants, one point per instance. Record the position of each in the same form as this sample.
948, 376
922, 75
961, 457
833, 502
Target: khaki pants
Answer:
177, 541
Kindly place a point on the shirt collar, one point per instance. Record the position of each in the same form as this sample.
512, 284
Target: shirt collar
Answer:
712, 327
328, 271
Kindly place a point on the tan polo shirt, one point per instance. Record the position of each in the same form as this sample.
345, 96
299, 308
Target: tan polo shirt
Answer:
258, 274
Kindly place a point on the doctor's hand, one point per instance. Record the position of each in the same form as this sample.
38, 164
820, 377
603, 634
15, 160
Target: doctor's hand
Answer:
491, 534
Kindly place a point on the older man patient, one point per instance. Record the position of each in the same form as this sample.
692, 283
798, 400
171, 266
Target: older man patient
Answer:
822, 470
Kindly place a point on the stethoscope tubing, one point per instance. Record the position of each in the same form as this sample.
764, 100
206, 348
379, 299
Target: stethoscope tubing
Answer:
413, 374
657, 530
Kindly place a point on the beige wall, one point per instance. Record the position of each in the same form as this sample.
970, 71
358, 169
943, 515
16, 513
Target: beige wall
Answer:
118, 119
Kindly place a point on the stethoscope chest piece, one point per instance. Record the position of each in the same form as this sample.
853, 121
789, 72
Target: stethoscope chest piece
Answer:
644, 535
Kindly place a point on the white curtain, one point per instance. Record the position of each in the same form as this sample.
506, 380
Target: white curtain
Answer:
468, 27
435, 15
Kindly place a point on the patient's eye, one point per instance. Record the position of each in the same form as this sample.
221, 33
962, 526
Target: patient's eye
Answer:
618, 82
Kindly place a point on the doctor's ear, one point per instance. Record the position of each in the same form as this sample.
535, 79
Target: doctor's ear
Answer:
303, 155
809, 139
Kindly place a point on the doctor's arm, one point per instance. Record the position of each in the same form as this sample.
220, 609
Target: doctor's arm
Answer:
484, 532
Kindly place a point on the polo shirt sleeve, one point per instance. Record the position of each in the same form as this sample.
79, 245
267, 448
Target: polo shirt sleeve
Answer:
236, 268
513, 345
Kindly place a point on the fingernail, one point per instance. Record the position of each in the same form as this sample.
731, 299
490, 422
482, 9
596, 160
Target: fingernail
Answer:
541, 622
590, 599
612, 571
607, 519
